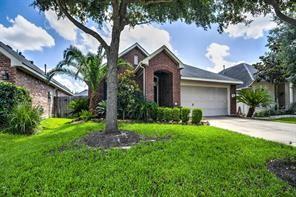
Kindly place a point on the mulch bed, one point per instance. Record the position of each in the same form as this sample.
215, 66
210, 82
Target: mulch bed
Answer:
121, 139
285, 169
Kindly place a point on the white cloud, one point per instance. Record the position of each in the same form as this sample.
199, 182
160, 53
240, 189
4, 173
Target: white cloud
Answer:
62, 26
74, 85
217, 53
149, 36
25, 36
253, 30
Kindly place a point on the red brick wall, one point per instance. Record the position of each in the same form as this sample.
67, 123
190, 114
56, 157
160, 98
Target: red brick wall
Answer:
38, 90
5, 65
129, 57
232, 100
162, 62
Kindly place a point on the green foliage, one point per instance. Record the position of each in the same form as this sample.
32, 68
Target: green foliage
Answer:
167, 114
24, 118
78, 105
193, 153
286, 120
160, 113
185, 112
292, 108
176, 114
10, 96
101, 109
254, 97
127, 89
196, 116
278, 63
85, 115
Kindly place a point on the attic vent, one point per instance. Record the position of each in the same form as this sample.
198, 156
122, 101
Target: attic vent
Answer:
136, 60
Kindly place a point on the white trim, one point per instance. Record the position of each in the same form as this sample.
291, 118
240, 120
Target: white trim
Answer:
211, 80
131, 48
291, 92
146, 60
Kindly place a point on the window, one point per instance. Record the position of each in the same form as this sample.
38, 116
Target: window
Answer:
136, 60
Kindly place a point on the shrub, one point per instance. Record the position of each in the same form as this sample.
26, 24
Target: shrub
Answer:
24, 118
160, 113
101, 109
292, 108
152, 110
10, 96
176, 114
167, 114
85, 115
78, 105
185, 114
196, 116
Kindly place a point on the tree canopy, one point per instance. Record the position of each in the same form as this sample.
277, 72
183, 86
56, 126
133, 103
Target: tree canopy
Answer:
278, 63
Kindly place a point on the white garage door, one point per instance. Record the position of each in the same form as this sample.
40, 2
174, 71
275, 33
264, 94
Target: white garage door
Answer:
212, 100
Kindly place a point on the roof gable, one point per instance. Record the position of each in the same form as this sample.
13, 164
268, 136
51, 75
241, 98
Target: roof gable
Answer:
243, 72
168, 52
136, 45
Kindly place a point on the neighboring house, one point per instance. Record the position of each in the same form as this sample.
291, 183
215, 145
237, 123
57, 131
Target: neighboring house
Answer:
284, 95
15, 68
82, 93
163, 78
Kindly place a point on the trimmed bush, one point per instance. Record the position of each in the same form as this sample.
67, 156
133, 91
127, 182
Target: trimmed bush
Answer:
185, 114
196, 116
167, 114
10, 96
78, 105
160, 113
176, 114
24, 118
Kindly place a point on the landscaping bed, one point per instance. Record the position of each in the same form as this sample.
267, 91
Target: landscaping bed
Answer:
285, 169
196, 160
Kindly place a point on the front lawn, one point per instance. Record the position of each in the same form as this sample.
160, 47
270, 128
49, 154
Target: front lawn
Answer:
286, 120
195, 160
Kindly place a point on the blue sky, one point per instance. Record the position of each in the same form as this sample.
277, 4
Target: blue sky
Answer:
42, 38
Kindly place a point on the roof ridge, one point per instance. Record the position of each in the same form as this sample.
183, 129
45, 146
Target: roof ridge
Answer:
249, 72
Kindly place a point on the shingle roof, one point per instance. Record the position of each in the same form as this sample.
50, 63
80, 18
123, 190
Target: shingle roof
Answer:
194, 72
31, 65
243, 72
82, 93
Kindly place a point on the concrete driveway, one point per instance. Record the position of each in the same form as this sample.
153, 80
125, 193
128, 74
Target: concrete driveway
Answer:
274, 131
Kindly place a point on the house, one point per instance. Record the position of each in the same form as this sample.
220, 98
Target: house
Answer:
165, 79
15, 68
284, 95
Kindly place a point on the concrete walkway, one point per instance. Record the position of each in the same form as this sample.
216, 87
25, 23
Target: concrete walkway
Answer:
274, 131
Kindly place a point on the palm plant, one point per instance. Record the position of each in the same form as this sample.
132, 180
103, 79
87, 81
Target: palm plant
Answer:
88, 68
254, 97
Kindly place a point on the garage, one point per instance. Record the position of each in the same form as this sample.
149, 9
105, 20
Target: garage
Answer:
212, 100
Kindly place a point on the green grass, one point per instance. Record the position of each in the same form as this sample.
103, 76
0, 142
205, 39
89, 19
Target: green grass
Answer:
196, 160
286, 120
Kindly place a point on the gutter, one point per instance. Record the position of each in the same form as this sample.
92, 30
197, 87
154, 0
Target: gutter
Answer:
211, 80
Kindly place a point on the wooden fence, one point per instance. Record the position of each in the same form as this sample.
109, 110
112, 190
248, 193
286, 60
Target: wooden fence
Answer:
61, 105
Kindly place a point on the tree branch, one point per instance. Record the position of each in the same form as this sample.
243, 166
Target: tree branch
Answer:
83, 27
278, 12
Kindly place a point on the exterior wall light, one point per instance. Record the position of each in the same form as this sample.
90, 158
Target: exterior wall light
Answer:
4, 75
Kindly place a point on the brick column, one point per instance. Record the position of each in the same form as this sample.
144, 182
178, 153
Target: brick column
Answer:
232, 100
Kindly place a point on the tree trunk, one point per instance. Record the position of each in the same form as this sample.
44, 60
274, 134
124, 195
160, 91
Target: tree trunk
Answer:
251, 112
94, 99
112, 81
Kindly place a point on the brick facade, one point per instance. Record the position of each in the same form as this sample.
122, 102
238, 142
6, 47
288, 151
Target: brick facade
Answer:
39, 89
129, 57
5, 66
163, 63
232, 100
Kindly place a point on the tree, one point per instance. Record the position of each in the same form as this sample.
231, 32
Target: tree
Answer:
127, 88
122, 13
278, 64
253, 98
88, 68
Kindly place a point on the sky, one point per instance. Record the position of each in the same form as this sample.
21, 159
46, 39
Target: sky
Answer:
41, 37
